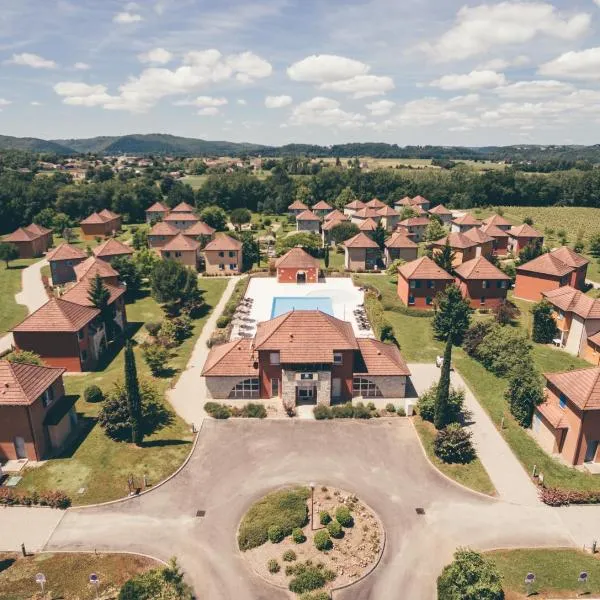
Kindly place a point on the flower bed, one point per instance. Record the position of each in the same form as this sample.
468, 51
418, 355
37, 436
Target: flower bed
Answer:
56, 499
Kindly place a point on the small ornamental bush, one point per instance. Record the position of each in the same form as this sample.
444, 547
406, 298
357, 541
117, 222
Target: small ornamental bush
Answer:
273, 566
255, 411
390, 408
93, 393
223, 321
453, 445
156, 357
289, 556
316, 596
343, 516
275, 534
298, 536
363, 412
322, 540
454, 408
217, 411
335, 530
324, 517
307, 581
322, 412
153, 328
12, 497
343, 411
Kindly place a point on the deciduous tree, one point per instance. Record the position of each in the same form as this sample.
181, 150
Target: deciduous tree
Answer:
8, 253
544, 326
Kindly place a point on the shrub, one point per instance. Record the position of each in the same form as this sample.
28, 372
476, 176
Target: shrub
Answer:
322, 542
343, 516
298, 535
217, 411
453, 445
558, 497
544, 326
164, 583
470, 577
24, 356
456, 399
474, 336
53, 499
184, 327
400, 411
289, 555
254, 411
273, 566
93, 393
316, 596
285, 508
307, 581
275, 534
156, 357
223, 321
502, 349
335, 530
524, 392
342, 411
361, 411
324, 517
322, 412
390, 408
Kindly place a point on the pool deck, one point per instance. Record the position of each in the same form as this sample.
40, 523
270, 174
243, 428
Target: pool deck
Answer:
345, 298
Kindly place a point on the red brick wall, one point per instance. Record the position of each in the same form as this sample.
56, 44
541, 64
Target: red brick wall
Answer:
501, 245
345, 372
62, 272
91, 230
420, 294
290, 275
56, 349
474, 290
530, 286
578, 277
31, 249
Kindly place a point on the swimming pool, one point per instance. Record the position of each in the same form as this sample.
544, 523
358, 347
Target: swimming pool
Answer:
283, 304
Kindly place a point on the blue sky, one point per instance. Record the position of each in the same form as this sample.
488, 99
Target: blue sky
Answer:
279, 71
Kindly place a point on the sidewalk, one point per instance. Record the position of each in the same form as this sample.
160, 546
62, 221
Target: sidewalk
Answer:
508, 476
189, 393
31, 526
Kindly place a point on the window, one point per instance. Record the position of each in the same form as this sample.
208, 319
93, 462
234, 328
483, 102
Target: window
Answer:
562, 401
231, 254
365, 388
80, 334
69, 263
430, 284
221, 267
306, 376
274, 387
249, 388
232, 266
411, 299
500, 284
274, 358
413, 284
561, 314
428, 300
221, 254
338, 358
484, 284
178, 254
482, 300
84, 355
167, 254
48, 397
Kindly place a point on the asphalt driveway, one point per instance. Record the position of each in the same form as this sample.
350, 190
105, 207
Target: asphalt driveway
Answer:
237, 461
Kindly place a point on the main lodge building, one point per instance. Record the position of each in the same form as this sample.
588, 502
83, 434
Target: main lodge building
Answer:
305, 355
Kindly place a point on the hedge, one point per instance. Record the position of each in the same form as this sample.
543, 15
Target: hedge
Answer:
55, 499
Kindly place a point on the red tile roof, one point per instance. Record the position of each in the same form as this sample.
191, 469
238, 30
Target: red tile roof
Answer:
163, 228
180, 243
94, 219
406, 201
546, 264
399, 239
58, 315
415, 222
355, 205
568, 299
108, 215
297, 258
21, 235
387, 211
524, 231
497, 220
199, 228
181, 216
307, 215
22, 384
440, 209
235, 358
158, 207
479, 236
322, 205
111, 247
381, 359
65, 252
554, 415
79, 293
360, 240
93, 266
569, 257
494, 231
466, 219
595, 339
458, 241
328, 225
367, 225
581, 386
419, 200
480, 268
183, 207
38, 229
336, 214
223, 242
297, 205
367, 213
424, 268
375, 203
305, 336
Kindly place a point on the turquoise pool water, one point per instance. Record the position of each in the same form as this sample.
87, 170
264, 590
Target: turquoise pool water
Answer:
283, 304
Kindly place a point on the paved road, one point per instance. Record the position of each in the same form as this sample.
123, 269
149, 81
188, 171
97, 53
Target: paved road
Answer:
31, 526
238, 461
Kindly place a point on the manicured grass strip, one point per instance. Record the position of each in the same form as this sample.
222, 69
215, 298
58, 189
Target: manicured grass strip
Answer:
472, 475
102, 466
67, 575
556, 571
11, 313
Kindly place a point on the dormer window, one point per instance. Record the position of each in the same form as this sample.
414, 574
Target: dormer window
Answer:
274, 358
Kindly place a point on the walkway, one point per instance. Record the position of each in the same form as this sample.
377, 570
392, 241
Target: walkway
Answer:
29, 526
32, 295
189, 393
508, 476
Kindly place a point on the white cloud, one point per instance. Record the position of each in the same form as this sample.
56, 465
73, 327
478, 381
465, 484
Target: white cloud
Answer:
471, 81
574, 65
81, 66
125, 18
361, 86
597, 2
241, 102
35, 103
31, 60
249, 66
158, 56
427, 111
277, 101
534, 89
4, 102
501, 64
380, 107
208, 111
324, 68
82, 94
325, 112
478, 29
203, 101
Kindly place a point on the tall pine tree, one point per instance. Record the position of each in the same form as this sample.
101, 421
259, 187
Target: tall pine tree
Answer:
379, 235
134, 401
444, 258
99, 296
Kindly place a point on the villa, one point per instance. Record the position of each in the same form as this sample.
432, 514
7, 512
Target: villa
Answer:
161, 233
375, 203
499, 221
183, 208
181, 220
352, 207
443, 214
485, 242
464, 248
327, 226
296, 208
483, 284
93, 266
522, 236
201, 232
223, 255
368, 226
417, 226
182, 249
157, 212
361, 253
336, 215
420, 281
399, 246
464, 223
111, 249
305, 356
500, 238
308, 222
389, 218
63, 260
102, 224
297, 266
421, 201
321, 209
31, 241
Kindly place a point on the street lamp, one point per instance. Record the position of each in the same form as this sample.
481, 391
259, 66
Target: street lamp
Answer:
95, 582
40, 579
312, 505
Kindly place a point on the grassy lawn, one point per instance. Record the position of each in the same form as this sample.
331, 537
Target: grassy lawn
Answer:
336, 261
67, 575
195, 181
10, 284
97, 463
556, 572
472, 475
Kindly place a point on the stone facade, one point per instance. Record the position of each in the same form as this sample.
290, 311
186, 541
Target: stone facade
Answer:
393, 386
219, 388
290, 381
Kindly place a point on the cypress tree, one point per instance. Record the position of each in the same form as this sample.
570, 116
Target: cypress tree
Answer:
445, 257
440, 414
99, 296
134, 402
326, 256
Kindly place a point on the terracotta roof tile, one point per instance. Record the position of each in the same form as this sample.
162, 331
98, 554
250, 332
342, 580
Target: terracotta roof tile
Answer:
322, 205
494, 231
297, 205
524, 231
297, 258
93, 266
181, 216
93, 219
66, 252
381, 359
232, 359
180, 243
440, 209
458, 241
569, 299
163, 228
581, 386
479, 236
199, 228
329, 225
415, 222
595, 339
569, 257
360, 240
307, 215
466, 219
22, 384
183, 207
387, 211
367, 213
375, 203
305, 336
38, 229
355, 205
424, 268
20, 235
58, 315
497, 220
554, 415
406, 201
480, 268
367, 225
336, 214
158, 207
79, 293
399, 239
111, 247
108, 215
223, 242
546, 264
419, 200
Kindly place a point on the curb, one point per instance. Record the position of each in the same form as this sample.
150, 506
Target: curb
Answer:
127, 552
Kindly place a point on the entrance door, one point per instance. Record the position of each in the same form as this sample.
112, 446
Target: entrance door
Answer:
301, 277
306, 395
20, 447
336, 387
590, 453
275, 387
